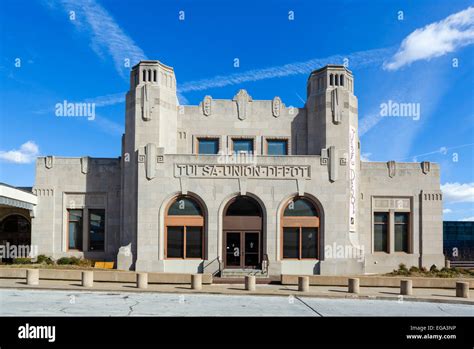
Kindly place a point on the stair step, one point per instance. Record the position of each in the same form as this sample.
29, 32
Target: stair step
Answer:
239, 273
240, 280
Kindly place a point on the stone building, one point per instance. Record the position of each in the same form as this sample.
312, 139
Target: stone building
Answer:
240, 186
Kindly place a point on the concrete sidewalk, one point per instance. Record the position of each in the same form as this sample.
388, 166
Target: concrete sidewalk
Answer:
385, 293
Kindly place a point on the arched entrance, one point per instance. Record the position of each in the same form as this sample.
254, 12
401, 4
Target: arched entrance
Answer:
242, 228
16, 230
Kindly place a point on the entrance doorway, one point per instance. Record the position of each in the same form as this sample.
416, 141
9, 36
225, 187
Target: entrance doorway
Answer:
242, 249
243, 234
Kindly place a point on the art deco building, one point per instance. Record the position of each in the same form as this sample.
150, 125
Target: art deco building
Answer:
240, 185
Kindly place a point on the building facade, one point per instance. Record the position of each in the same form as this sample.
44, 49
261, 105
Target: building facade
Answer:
458, 242
240, 185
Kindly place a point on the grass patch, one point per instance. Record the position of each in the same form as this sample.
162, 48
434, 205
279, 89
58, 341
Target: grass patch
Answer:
433, 272
45, 262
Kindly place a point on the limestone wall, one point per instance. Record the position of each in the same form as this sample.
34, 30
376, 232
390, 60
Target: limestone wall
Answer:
81, 183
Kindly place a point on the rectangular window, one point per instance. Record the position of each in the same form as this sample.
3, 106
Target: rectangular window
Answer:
243, 145
193, 242
96, 230
184, 242
381, 231
401, 232
75, 229
277, 147
208, 145
175, 242
300, 243
291, 237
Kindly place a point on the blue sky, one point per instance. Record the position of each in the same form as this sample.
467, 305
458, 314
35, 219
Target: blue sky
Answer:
417, 52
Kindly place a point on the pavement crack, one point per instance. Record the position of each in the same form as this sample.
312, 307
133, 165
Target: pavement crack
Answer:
444, 311
130, 307
308, 306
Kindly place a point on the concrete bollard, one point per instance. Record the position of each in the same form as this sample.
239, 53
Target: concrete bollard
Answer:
353, 286
406, 287
142, 280
447, 263
250, 282
87, 278
196, 281
32, 277
462, 289
303, 283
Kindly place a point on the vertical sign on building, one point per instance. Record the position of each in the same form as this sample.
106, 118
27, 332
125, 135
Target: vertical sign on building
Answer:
353, 179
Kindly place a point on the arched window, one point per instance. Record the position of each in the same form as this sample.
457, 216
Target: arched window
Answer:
331, 79
184, 225
154, 75
336, 78
244, 206
342, 80
15, 229
144, 75
300, 230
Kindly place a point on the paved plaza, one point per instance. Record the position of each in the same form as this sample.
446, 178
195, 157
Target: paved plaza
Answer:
29, 302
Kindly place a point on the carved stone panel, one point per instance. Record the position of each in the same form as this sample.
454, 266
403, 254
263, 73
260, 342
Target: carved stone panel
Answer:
426, 167
401, 203
85, 164
147, 109
391, 168
276, 106
333, 164
150, 165
324, 157
335, 107
242, 98
48, 161
207, 106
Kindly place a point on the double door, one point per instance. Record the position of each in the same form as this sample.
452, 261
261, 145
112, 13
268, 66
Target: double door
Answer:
242, 249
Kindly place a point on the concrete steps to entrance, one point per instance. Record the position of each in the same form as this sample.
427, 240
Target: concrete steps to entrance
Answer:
241, 280
241, 273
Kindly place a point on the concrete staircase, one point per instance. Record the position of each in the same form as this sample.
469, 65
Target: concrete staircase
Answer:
241, 273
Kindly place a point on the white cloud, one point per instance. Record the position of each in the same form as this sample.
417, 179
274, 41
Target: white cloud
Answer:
365, 156
106, 35
25, 155
468, 219
109, 126
458, 192
447, 210
110, 99
435, 39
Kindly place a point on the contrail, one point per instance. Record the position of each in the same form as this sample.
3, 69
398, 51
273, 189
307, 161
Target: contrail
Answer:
358, 59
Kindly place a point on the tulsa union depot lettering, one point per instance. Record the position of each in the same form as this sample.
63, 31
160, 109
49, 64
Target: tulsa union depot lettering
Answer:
259, 171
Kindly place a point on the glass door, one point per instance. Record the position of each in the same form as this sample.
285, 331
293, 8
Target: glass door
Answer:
252, 250
233, 249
